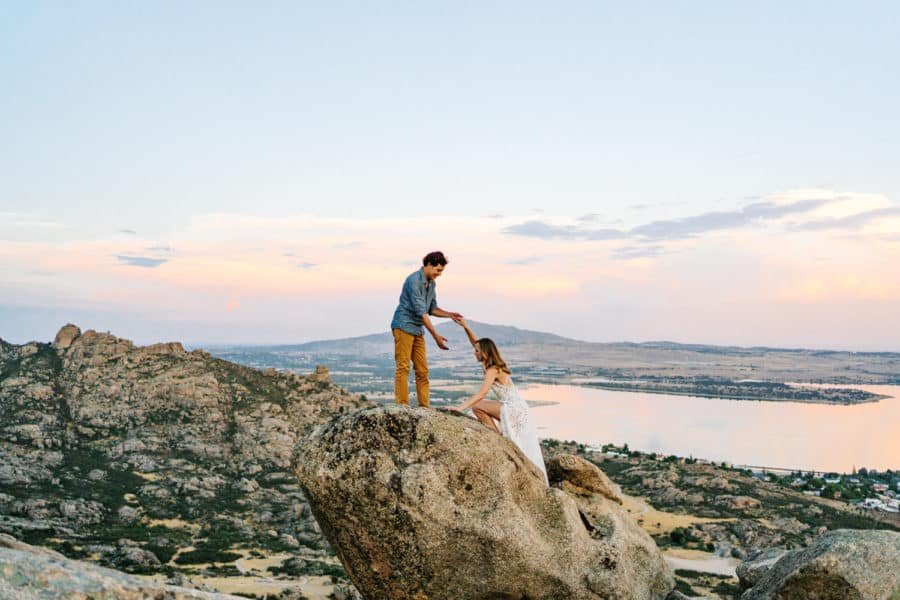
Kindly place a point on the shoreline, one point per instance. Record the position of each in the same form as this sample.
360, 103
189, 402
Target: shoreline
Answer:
650, 388
872, 398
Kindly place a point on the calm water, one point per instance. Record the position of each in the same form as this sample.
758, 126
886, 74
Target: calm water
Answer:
772, 434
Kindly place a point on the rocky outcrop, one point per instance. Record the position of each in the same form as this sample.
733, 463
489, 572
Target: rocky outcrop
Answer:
751, 571
577, 476
841, 565
738, 502
423, 504
29, 573
65, 336
102, 440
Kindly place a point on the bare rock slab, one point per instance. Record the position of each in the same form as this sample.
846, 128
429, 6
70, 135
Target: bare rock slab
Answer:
429, 505
30, 573
846, 564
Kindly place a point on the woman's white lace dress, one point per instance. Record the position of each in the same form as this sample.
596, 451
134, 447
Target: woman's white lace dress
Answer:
516, 423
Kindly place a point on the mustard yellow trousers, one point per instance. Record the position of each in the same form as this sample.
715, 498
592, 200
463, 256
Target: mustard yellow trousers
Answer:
410, 347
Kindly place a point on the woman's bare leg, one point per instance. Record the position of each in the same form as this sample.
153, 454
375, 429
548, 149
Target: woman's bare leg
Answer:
486, 411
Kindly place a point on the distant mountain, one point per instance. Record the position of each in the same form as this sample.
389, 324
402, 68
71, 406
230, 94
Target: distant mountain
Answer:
383, 343
624, 360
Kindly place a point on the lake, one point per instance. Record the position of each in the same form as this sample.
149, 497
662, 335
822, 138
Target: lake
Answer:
788, 435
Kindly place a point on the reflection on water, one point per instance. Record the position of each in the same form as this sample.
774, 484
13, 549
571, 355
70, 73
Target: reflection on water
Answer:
773, 434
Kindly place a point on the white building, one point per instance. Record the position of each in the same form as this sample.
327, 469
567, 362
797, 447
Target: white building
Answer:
873, 503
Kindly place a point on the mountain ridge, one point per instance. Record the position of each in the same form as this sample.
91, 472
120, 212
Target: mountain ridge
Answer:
512, 335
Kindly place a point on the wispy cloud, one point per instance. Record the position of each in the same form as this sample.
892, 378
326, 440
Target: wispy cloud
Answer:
851, 222
588, 218
716, 221
548, 231
790, 280
17, 219
666, 229
630, 252
141, 261
528, 260
128, 231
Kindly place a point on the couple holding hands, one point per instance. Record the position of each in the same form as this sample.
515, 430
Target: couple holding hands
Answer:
418, 303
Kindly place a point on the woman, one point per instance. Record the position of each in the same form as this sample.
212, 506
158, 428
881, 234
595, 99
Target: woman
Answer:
511, 411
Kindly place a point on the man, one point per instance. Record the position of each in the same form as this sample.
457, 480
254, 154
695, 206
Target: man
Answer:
418, 302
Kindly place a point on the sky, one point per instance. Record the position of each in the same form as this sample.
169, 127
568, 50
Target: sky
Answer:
210, 172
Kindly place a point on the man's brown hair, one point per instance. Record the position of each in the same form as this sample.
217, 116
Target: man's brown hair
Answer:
434, 259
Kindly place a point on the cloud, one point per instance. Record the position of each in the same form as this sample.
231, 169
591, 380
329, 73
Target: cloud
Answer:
17, 219
160, 249
547, 231
689, 227
528, 260
630, 252
667, 229
128, 231
766, 268
851, 222
771, 210
141, 261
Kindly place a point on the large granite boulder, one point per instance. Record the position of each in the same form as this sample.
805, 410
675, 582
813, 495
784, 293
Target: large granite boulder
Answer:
753, 570
580, 477
846, 564
423, 504
65, 336
30, 573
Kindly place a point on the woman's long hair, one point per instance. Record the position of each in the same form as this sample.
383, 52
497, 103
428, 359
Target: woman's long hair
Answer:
490, 355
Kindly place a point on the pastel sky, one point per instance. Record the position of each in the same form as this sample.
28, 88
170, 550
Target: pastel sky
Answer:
212, 172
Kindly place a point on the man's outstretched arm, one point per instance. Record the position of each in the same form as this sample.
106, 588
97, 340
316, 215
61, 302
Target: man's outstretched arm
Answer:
446, 314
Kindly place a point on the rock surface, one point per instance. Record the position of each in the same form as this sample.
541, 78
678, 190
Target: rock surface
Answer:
751, 571
846, 564
126, 454
29, 573
576, 475
423, 504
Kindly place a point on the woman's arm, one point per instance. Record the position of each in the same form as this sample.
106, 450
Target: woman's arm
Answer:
447, 314
489, 376
472, 339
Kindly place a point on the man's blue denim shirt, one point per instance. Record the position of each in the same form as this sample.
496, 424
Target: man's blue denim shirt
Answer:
417, 298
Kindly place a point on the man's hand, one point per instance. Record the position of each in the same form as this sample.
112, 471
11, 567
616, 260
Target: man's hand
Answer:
441, 342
